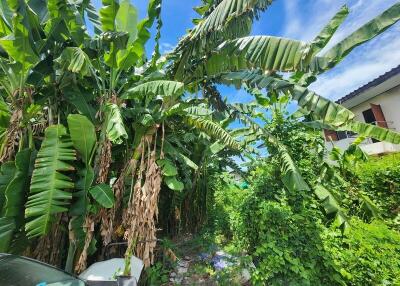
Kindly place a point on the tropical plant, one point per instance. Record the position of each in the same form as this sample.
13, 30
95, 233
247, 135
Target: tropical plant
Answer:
92, 130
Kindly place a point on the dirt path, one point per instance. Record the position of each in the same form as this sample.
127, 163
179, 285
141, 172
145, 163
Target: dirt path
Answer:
202, 262
189, 272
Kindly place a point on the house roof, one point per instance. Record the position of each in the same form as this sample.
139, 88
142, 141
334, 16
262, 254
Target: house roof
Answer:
379, 80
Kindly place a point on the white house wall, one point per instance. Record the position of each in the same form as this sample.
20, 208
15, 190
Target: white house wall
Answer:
390, 104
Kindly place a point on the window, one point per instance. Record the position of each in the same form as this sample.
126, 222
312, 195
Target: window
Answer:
341, 135
369, 116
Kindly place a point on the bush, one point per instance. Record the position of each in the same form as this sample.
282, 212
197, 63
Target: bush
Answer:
224, 212
369, 254
288, 249
380, 179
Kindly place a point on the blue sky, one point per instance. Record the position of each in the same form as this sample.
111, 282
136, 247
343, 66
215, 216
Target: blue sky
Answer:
302, 20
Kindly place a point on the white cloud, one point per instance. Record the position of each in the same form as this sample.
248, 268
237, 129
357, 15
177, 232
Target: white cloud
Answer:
166, 47
305, 19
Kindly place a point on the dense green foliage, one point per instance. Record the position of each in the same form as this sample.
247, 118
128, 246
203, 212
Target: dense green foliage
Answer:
101, 140
291, 240
380, 179
369, 254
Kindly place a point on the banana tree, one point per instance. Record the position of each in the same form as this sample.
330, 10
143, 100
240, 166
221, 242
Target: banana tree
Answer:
256, 62
98, 124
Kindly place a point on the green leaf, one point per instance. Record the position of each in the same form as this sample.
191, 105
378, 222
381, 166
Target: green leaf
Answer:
15, 194
85, 181
48, 195
153, 88
103, 194
365, 33
66, 17
331, 206
94, 18
127, 58
7, 228
188, 162
126, 19
173, 151
373, 131
115, 129
327, 110
16, 191
81, 100
108, 14
225, 12
257, 52
173, 183
362, 129
168, 168
329, 30
216, 147
83, 135
6, 175
291, 176
153, 12
213, 129
230, 19
18, 45
5, 114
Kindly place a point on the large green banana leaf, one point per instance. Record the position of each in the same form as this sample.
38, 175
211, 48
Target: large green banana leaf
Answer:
373, 131
225, 12
80, 99
18, 45
214, 130
15, 191
229, 20
153, 12
83, 135
6, 175
103, 194
361, 128
7, 228
365, 33
93, 17
329, 111
49, 193
107, 15
331, 206
5, 13
285, 55
322, 39
80, 196
256, 52
15, 194
65, 16
154, 88
291, 176
126, 20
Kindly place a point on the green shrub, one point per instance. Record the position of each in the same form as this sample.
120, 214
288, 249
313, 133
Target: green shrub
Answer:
369, 254
288, 248
224, 211
380, 179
